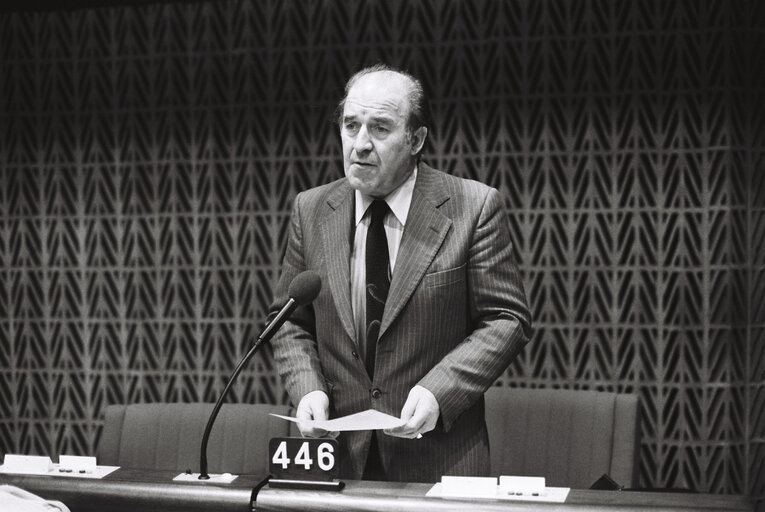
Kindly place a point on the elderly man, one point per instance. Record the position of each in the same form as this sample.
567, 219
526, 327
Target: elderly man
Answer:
422, 306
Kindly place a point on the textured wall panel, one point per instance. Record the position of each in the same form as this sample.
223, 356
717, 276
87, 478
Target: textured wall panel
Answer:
149, 157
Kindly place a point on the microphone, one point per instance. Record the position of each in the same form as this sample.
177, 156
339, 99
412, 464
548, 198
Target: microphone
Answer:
303, 290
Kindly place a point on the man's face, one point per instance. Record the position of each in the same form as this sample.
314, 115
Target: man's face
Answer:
378, 154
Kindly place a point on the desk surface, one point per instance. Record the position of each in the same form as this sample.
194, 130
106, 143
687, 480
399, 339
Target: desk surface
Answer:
129, 490
388, 497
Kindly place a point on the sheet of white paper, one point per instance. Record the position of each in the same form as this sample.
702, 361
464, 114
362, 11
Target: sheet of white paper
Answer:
365, 420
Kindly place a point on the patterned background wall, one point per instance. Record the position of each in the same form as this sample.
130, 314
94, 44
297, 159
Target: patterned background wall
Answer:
149, 156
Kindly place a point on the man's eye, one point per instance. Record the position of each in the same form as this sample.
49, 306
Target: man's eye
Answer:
351, 127
381, 130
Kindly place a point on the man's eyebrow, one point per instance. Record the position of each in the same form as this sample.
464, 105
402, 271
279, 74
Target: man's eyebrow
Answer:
383, 119
377, 118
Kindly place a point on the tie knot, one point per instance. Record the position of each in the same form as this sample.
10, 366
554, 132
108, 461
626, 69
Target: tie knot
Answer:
378, 209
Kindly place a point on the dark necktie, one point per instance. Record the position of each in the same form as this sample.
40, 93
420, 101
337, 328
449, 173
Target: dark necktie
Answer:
378, 279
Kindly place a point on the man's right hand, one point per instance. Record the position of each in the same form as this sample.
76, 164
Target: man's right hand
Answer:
313, 406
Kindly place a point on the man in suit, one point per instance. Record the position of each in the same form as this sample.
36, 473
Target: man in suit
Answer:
421, 307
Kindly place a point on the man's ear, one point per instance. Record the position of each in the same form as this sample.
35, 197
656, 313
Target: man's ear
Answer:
418, 139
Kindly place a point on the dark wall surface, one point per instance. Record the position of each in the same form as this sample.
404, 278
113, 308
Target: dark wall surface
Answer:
149, 155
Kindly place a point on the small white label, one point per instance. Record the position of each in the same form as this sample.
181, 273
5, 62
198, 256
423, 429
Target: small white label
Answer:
522, 485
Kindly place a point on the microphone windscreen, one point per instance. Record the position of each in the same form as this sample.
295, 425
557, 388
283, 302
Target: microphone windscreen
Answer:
305, 287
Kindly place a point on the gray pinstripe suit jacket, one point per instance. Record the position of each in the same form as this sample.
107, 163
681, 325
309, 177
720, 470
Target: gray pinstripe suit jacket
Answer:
455, 317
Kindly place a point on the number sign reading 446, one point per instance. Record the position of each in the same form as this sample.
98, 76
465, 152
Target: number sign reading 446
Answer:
303, 458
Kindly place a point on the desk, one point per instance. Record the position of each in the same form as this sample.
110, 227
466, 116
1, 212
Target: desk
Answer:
388, 497
131, 490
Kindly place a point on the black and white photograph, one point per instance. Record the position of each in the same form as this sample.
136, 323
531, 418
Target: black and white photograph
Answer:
382, 255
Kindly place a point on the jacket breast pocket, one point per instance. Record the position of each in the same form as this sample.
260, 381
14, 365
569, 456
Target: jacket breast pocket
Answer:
445, 277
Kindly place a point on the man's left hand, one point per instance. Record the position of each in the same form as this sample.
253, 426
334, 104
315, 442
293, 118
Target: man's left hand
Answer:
421, 413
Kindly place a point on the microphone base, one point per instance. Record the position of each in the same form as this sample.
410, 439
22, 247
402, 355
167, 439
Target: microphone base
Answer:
220, 478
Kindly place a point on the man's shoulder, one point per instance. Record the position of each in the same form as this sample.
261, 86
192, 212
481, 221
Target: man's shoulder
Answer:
457, 186
323, 193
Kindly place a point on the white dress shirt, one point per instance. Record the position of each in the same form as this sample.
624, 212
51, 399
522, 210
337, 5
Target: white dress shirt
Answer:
398, 202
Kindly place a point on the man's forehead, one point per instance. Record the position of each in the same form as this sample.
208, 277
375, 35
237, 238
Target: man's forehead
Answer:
378, 92
374, 109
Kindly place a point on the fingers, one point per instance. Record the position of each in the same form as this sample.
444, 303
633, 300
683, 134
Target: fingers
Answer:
306, 431
421, 413
416, 425
313, 406
309, 431
414, 416
410, 406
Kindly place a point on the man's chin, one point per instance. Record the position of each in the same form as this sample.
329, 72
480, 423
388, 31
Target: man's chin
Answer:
360, 181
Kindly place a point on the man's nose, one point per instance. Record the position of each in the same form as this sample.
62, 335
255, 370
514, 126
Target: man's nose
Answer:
363, 142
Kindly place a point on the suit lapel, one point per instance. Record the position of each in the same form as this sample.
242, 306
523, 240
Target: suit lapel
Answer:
336, 231
425, 230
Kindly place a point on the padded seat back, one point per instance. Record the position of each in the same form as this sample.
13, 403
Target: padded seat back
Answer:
570, 437
169, 435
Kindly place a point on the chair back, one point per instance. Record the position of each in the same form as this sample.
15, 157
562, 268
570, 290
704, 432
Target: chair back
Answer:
570, 437
168, 436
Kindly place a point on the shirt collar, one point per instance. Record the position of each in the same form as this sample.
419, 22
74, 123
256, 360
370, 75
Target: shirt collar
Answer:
398, 200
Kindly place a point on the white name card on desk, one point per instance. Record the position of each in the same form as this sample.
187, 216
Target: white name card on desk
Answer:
76, 464
26, 464
510, 488
468, 486
68, 466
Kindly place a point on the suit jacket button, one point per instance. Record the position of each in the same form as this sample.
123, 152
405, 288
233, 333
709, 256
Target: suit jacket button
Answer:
376, 393
355, 354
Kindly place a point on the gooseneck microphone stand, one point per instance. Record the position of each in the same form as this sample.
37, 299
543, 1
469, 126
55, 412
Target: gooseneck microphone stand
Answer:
303, 289
205, 438
269, 331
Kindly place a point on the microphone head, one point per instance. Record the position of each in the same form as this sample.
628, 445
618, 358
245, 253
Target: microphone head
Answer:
305, 287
